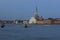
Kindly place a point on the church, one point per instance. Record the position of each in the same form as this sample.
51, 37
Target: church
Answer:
35, 18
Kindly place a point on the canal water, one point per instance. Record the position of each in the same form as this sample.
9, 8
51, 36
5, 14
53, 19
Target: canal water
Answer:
33, 32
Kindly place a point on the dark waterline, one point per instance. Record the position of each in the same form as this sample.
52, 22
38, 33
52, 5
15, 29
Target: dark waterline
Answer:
33, 32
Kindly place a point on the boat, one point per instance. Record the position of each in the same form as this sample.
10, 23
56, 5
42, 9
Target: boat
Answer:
2, 25
25, 24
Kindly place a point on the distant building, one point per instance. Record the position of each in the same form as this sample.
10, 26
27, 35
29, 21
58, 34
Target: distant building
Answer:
35, 18
57, 18
56, 21
44, 22
15, 22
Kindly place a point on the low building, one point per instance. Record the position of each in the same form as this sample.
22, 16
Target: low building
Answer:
39, 22
56, 22
44, 22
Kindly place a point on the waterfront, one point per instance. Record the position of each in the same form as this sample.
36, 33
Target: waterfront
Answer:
33, 32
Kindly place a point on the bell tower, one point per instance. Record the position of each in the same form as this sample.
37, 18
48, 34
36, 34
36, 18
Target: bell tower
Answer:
36, 13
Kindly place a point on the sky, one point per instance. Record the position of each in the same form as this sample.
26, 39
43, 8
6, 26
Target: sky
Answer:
24, 9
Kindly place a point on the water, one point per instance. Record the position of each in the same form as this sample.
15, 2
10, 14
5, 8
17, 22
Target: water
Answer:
33, 32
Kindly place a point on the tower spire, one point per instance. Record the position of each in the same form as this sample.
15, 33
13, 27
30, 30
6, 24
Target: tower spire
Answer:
36, 12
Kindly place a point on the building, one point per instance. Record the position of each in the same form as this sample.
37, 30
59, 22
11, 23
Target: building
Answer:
46, 21
56, 21
35, 18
